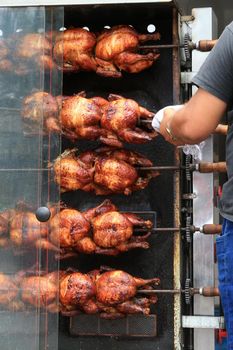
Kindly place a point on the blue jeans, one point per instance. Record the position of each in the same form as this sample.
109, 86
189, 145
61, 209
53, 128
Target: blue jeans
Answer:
224, 247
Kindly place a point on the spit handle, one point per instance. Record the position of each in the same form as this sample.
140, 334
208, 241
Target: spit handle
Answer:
221, 129
209, 291
219, 167
211, 229
206, 45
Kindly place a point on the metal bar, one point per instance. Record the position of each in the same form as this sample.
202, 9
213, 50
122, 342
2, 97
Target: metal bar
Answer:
26, 3
203, 247
166, 46
176, 181
209, 322
25, 169
146, 121
161, 291
169, 167
166, 229
159, 229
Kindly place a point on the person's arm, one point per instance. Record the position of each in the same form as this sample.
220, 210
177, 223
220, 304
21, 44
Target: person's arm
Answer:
200, 116
195, 121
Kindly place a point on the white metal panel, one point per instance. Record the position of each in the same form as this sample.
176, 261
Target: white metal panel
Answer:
206, 322
203, 27
73, 2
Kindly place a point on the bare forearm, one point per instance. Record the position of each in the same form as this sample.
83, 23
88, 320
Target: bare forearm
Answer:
195, 121
187, 129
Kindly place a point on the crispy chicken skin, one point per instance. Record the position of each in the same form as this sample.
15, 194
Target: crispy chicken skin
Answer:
111, 294
74, 48
80, 117
104, 171
121, 118
112, 121
118, 47
77, 49
100, 230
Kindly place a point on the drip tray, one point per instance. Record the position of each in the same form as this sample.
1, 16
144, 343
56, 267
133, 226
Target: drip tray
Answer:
130, 326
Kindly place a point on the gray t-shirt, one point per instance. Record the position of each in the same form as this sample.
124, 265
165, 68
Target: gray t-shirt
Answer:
216, 77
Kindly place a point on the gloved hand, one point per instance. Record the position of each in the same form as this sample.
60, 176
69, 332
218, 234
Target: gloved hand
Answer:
194, 150
160, 114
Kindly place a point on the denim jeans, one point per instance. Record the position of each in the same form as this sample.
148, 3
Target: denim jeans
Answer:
224, 247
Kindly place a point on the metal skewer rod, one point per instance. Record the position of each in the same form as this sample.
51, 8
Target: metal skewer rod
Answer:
161, 291
172, 167
165, 46
202, 45
202, 167
204, 291
165, 229
207, 229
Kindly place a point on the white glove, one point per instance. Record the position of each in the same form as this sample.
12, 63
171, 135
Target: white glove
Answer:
156, 121
194, 150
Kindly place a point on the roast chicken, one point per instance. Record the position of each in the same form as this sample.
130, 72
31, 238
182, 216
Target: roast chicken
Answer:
74, 50
112, 294
112, 121
121, 118
104, 171
99, 230
77, 49
116, 50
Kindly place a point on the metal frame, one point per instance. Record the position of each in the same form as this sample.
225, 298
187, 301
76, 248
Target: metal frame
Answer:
177, 200
203, 27
73, 2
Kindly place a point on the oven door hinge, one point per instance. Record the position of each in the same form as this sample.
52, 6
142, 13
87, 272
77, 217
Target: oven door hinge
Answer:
210, 322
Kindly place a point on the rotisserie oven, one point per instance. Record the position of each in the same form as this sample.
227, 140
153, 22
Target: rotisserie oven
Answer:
98, 217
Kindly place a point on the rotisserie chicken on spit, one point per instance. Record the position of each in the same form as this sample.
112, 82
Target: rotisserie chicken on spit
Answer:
104, 170
74, 50
112, 294
109, 53
77, 49
112, 121
99, 230
116, 50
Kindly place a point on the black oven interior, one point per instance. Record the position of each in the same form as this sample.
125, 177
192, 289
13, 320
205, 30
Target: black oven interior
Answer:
153, 89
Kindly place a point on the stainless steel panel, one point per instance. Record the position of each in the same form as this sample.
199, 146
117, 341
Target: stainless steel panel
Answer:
203, 27
203, 322
72, 2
